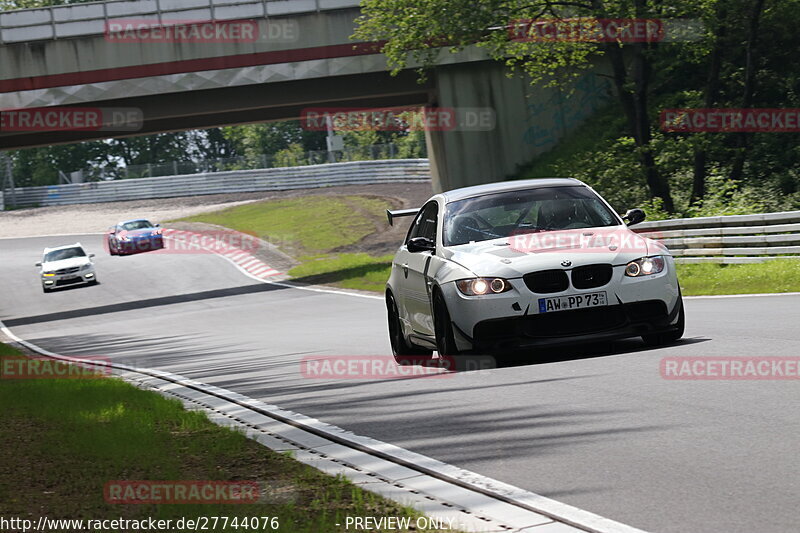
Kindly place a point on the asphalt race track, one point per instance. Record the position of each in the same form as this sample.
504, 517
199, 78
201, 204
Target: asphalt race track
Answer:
597, 429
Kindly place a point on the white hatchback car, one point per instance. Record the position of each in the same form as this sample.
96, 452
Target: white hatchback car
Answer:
520, 264
66, 265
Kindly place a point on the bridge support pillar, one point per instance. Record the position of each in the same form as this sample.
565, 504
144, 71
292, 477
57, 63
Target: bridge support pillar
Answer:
529, 121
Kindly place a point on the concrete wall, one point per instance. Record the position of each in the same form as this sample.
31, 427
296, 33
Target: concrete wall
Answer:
530, 121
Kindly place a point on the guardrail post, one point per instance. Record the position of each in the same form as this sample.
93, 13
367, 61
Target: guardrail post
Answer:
8, 179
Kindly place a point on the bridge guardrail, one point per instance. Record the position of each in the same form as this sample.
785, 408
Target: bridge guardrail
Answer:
310, 176
57, 22
728, 239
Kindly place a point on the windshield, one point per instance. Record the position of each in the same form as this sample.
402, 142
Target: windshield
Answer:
66, 253
527, 211
136, 224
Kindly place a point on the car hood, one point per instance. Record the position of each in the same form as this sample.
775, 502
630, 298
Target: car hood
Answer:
65, 263
520, 254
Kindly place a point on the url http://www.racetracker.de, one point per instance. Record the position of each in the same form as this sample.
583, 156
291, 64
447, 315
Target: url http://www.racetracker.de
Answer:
46, 524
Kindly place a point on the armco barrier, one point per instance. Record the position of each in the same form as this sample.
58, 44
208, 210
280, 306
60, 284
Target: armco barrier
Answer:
729, 239
271, 179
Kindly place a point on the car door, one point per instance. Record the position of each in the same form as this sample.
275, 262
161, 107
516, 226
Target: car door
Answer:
416, 271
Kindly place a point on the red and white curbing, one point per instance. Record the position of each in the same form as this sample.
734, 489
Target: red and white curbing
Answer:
204, 243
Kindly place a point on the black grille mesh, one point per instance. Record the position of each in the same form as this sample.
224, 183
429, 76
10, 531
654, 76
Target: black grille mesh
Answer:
546, 281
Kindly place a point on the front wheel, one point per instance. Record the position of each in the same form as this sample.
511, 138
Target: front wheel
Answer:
404, 353
443, 327
668, 337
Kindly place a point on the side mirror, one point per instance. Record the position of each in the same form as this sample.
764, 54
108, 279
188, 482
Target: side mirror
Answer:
420, 244
91, 255
38, 264
157, 225
634, 216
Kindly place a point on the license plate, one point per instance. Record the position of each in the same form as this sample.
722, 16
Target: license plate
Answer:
574, 301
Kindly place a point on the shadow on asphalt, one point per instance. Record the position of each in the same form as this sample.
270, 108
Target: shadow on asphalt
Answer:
586, 351
144, 304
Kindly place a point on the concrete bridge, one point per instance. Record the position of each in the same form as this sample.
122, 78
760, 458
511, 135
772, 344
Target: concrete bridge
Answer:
271, 60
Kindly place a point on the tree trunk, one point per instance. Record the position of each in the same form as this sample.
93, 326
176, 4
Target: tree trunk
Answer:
634, 106
742, 140
712, 95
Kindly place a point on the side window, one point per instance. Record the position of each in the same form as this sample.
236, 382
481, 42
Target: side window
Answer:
425, 223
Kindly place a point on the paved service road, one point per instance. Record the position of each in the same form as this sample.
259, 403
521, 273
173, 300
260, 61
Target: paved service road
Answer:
600, 431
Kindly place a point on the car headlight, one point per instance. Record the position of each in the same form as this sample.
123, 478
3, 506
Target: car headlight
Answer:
645, 266
48, 274
481, 286
87, 266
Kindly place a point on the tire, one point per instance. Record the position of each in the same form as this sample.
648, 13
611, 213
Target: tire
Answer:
45, 290
668, 337
94, 282
404, 353
112, 251
443, 327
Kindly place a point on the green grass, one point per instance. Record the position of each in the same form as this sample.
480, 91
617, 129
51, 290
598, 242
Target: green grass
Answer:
304, 226
780, 275
64, 439
350, 271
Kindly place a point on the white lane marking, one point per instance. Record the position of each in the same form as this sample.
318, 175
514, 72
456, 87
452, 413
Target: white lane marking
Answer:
754, 295
529, 501
298, 287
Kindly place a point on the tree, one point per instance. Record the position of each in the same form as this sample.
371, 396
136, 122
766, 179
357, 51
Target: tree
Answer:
417, 29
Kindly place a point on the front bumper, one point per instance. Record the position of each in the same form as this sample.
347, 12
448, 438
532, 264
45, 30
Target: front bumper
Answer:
64, 280
144, 244
574, 327
637, 306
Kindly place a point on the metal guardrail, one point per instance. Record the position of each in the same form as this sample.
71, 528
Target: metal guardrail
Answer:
91, 18
729, 239
306, 177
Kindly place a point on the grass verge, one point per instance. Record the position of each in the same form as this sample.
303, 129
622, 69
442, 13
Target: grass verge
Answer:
779, 275
64, 439
350, 271
304, 226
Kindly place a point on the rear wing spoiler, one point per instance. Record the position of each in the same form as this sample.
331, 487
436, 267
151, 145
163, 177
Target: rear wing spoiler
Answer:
391, 215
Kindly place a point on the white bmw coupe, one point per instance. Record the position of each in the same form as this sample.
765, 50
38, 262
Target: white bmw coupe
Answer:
520, 264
